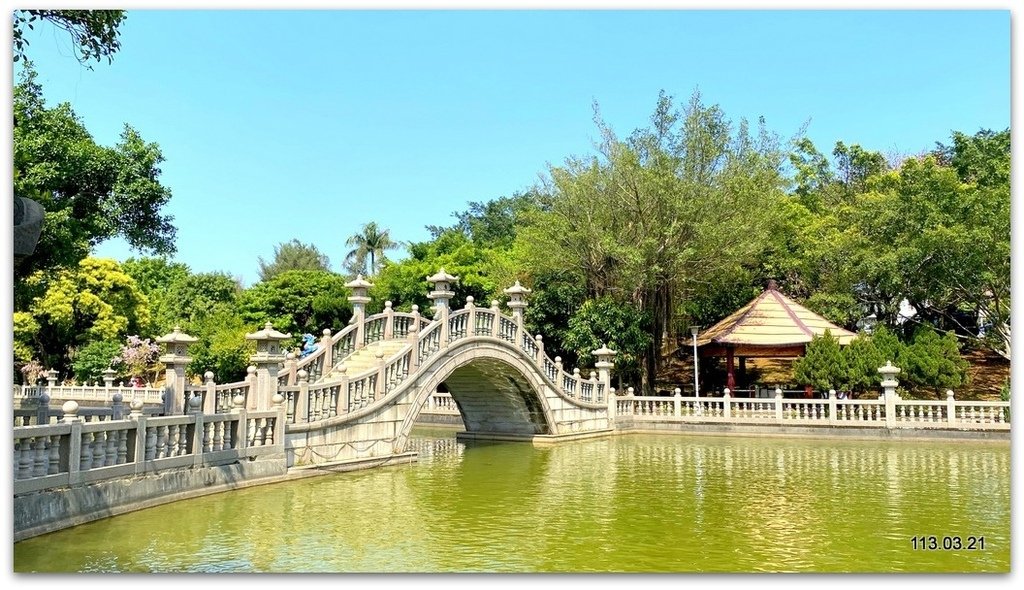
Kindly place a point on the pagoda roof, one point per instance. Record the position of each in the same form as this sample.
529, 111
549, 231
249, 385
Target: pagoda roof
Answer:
772, 319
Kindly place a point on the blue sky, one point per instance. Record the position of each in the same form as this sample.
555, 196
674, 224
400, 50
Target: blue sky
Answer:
278, 125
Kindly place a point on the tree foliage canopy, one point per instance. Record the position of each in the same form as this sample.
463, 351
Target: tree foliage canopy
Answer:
293, 255
93, 32
91, 193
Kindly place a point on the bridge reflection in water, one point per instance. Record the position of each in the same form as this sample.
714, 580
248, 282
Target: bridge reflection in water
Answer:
624, 503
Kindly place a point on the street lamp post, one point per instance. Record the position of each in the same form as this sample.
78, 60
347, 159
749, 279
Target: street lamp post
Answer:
696, 382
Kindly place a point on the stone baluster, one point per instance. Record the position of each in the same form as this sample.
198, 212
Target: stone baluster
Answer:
176, 359
540, 351
677, 402
727, 403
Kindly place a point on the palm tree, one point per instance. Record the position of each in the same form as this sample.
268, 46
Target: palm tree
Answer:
371, 241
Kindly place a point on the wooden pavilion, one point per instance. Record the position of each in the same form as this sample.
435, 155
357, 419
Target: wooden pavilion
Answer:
770, 326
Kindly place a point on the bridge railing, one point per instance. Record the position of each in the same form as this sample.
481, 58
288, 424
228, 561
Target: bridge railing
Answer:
75, 452
334, 348
885, 412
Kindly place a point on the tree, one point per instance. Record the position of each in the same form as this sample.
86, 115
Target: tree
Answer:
624, 328
89, 361
221, 346
298, 302
933, 361
155, 277
94, 301
823, 365
93, 32
90, 192
371, 242
293, 255
657, 215
480, 270
862, 360
492, 224
192, 298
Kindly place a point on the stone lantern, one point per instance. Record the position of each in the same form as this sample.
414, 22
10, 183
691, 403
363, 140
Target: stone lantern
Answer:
360, 297
604, 364
442, 292
175, 358
270, 353
517, 302
889, 381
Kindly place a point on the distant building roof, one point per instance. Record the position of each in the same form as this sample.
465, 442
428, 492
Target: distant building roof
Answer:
771, 319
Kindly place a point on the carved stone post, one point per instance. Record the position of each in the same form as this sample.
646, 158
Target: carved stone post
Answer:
727, 403
832, 407
389, 321
175, 359
778, 405
441, 295
268, 357
517, 303
950, 408
359, 298
210, 399
327, 343
889, 384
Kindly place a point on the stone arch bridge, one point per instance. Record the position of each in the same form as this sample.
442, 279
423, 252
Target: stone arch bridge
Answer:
357, 395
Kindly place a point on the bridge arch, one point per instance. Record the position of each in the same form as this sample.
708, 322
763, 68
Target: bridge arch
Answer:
497, 390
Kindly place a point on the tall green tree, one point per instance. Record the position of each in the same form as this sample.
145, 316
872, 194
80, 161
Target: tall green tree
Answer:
655, 215
293, 255
369, 245
94, 33
91, 193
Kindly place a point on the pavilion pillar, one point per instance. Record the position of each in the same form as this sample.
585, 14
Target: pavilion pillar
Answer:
730, 367
743, 372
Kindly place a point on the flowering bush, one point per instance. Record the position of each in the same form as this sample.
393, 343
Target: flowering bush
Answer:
136, 356
31, 371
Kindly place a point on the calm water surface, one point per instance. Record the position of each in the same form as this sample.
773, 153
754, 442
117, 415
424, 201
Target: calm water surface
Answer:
636, 503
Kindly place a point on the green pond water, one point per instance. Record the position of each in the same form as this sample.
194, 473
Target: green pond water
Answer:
632, 503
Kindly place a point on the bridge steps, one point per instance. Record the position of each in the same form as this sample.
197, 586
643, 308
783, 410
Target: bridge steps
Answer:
366, 357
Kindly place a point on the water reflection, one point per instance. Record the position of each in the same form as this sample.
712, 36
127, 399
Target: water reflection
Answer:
625, 503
